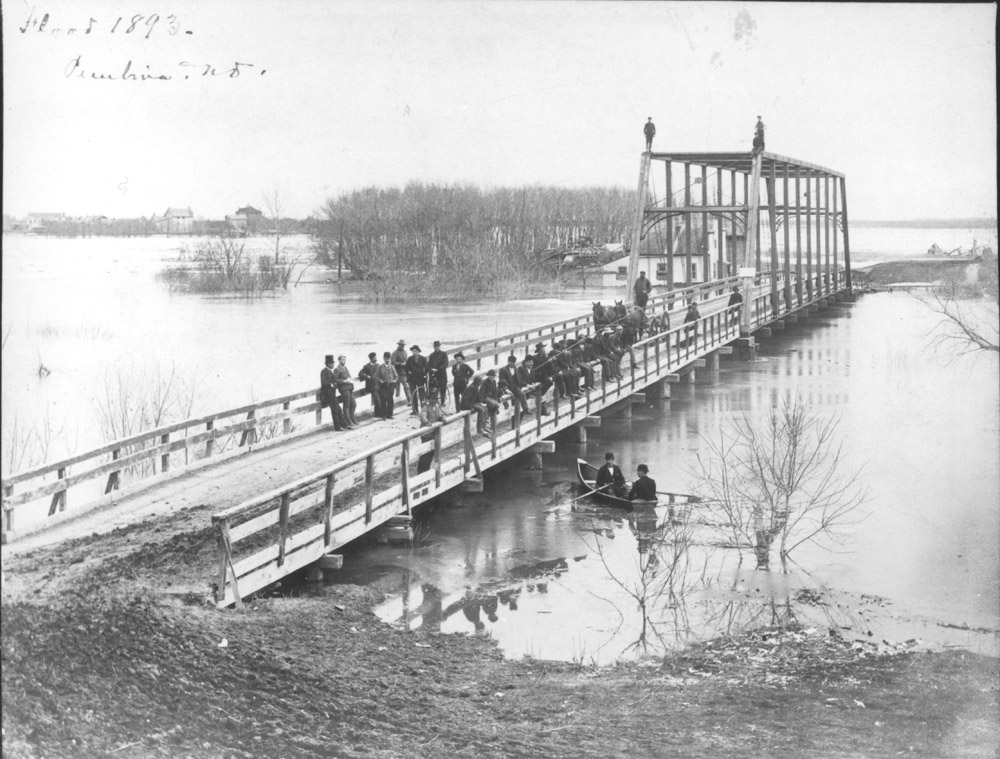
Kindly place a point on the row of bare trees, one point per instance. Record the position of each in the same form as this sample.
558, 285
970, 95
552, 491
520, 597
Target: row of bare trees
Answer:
426, 226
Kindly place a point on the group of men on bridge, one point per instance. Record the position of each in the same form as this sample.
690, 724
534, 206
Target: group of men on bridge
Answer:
567, 368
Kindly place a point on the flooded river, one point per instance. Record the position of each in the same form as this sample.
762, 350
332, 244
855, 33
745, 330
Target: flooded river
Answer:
523, 562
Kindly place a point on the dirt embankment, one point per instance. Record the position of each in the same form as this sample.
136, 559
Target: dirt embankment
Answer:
117, 671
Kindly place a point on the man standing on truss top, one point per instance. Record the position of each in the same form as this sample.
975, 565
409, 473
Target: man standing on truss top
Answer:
649, 130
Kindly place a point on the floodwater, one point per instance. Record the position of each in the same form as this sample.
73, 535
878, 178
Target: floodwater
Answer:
523, 562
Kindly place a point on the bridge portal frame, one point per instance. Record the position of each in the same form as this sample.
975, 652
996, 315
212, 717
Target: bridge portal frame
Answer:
823, 213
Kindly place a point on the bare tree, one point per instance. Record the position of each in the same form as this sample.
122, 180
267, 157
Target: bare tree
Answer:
967, 324
274, 203
784, 484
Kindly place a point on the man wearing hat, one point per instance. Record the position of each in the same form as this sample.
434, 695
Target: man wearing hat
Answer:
462, 373
328, 394
437, 366
471, 402
610, 477
644, 488
691, 319
736, 299
509, 382
489, 395
649, 130
367, 375
386, 381
347, 403
416, 378
527, 377
399, 364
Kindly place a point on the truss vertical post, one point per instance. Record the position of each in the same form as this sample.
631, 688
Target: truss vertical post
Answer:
640, 211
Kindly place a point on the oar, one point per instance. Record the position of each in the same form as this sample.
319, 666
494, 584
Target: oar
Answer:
698, 498
589, 492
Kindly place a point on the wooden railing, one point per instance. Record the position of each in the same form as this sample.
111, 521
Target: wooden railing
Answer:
142, 459
276, 533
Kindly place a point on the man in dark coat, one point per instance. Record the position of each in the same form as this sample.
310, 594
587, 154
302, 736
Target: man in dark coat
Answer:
385, 385
736, 299
328, 394
526, 376
399, 364
367, 375
610, 478
649, 130
758, 136
416, 378
644, 488
642, 289
511, 383
471, 402
462, 373
489, 395
437, 366
691, 319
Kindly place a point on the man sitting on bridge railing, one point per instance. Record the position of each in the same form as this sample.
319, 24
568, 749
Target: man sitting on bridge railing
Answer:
471, 402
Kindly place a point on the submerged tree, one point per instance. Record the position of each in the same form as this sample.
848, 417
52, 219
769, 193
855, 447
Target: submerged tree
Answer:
782, 484
970, 313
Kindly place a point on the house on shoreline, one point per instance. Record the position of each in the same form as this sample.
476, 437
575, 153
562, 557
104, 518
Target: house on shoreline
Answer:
176, 221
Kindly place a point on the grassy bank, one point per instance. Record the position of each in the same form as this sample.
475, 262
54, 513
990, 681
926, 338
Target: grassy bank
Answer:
117, 671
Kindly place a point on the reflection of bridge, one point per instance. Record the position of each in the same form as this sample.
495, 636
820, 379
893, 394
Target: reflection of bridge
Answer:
279, 503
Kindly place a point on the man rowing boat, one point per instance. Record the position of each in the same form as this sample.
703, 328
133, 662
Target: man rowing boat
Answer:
610, 477
644, 488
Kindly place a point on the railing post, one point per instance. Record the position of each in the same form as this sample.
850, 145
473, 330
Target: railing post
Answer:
210, 443
226, 568
437, 455
328, 510
282, 527
404, 460
369, 481
286, 425
319, 411
113, 477
58, 498
165, 458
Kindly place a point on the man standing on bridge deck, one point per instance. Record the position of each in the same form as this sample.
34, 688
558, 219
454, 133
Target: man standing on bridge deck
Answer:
736, 299
649, 130
416, 378
399, 364
343, 377
644, 488
462, 373
691, 319
367, 375
385, 383
328, 394
437, 365
642, 289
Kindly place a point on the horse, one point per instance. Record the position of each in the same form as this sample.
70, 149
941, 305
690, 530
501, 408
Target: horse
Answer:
634, 319
602, 318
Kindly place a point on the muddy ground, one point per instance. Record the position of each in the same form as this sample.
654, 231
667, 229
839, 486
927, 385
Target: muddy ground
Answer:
111, 668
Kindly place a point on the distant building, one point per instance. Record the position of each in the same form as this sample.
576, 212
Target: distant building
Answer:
176, 221
39, 221
237, 223
254, 219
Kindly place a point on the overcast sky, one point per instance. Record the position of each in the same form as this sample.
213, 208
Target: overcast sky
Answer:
341, 95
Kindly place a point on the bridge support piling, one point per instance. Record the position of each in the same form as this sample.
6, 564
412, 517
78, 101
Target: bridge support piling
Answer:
712, 362
535, 453
745, 348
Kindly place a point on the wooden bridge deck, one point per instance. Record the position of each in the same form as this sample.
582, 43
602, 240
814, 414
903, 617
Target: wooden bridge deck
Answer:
280, 505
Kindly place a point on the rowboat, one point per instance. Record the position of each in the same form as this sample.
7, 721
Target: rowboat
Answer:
588, 478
